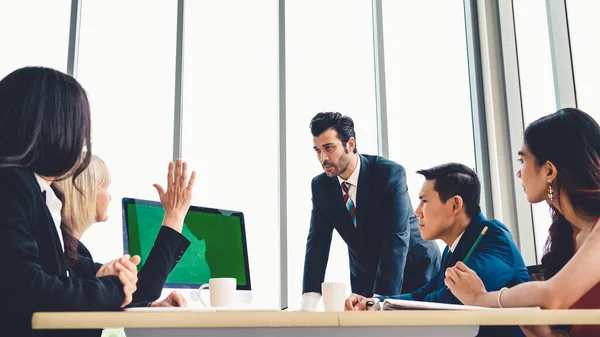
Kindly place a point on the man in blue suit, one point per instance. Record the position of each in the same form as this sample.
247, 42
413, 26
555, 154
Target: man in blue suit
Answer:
364, 198
449, 211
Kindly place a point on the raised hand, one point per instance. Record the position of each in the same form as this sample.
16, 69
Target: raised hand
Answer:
178, 196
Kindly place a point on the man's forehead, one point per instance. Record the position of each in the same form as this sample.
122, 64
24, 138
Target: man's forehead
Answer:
427, 187
325, 139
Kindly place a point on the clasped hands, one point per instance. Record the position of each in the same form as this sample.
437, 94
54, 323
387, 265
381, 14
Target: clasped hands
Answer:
126, 269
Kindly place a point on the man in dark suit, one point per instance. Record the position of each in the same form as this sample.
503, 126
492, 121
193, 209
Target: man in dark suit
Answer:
364, 198
449, 210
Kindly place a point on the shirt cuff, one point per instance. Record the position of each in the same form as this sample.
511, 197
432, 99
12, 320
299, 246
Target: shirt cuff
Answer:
309, 301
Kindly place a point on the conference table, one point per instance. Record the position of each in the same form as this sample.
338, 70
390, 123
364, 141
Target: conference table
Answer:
406, 323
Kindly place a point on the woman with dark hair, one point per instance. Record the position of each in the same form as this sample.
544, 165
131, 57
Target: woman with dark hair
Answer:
44, 127
560, 159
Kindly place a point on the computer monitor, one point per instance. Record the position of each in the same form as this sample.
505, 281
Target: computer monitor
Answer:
218, 243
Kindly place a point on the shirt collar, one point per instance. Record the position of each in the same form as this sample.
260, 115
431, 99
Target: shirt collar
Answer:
54, 205
455, 243
52, 202
42, 182
353, 180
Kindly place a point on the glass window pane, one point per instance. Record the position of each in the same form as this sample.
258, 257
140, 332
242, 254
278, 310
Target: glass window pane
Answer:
428, 94
126, 64
329, 55
34, 33
584, 30
537, 85
230, 123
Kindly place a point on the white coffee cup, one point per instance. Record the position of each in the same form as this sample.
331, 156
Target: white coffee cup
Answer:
222, 292
334, 296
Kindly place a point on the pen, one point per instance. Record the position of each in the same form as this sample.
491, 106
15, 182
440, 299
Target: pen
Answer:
475, 245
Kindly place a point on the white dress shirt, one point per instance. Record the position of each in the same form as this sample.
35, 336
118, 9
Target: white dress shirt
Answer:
310, 300
455, 243
54, 206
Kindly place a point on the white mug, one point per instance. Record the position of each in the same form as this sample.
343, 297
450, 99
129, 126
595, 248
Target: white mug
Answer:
334, 296
222, 292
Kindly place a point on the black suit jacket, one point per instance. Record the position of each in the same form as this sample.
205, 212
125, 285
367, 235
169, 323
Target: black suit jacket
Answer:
387, 254
34, 268
168, 249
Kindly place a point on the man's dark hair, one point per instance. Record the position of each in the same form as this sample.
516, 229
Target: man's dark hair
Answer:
453, 179
344, 126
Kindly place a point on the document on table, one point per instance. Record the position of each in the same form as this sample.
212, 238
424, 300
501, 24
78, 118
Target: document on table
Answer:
392, 304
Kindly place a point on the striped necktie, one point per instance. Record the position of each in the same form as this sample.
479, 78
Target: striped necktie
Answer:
348, 201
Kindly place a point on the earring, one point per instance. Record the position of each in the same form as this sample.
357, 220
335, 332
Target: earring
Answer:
550, 191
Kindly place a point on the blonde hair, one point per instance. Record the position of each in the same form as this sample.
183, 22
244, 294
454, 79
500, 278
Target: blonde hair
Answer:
79, 207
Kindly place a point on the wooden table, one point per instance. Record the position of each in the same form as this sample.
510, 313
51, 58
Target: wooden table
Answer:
403, 323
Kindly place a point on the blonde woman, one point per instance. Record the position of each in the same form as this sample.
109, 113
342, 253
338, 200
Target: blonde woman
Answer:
87, 204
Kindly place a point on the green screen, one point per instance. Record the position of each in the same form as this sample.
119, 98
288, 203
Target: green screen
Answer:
216, 248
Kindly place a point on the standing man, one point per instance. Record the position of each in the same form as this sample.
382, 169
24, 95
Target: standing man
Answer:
364, 198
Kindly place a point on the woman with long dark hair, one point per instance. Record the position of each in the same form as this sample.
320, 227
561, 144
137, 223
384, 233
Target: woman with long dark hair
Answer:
44, 126
560, 159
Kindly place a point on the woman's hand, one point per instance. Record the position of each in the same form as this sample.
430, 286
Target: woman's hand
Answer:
464, 284
542, 331
174, 299
177, 198
126, 270
108, 269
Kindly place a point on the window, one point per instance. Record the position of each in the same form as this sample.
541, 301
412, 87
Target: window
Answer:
428, 94
230, 123
128, 72
329, 56
584, 29
537, 85
34, 33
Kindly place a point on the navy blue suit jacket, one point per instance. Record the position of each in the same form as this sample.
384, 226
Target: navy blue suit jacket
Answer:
496, 260
387, 254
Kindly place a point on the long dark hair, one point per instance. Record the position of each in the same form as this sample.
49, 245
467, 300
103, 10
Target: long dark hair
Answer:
44, 126
570, 139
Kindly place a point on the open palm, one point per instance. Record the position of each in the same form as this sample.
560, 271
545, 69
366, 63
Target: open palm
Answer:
177, 198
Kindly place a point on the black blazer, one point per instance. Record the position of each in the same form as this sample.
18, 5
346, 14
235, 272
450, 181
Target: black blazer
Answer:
387, 254
34, 268
168, 249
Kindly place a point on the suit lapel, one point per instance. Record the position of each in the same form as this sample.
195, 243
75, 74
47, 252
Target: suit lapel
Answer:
468, 239
362, 193
446, 258
449, 258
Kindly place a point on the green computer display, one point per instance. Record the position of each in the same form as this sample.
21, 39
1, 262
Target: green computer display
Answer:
217, 249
